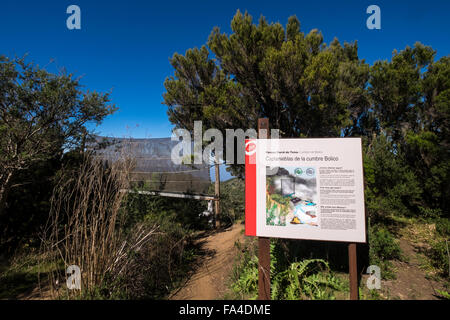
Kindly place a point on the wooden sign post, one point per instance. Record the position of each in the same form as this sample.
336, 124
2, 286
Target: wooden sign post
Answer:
217, 192
353, 271
263, 243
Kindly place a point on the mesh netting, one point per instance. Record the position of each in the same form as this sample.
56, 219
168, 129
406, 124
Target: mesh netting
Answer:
153, 168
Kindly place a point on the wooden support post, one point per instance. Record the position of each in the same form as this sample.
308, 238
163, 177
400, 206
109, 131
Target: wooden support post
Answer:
353, 271
217, 192
264, 268
263, 243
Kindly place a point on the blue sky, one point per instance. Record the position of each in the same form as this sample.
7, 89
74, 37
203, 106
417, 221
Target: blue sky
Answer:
125, 46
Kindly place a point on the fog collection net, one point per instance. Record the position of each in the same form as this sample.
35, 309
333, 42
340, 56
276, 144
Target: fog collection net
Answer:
153, 168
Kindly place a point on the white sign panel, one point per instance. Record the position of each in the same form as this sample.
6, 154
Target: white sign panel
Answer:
305, 189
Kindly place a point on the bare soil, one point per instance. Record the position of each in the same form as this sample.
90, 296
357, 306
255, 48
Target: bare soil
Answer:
411, 282
36, 294
209, 281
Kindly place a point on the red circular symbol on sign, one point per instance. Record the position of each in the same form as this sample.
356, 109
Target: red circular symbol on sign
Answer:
250, 148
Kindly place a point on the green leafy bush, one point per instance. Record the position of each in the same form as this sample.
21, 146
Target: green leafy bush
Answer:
444, 294
305, 279
391, 187
439, 255
443, 227
383, 247
165, 263
232, 204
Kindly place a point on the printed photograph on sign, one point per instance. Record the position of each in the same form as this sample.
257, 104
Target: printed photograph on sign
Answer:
292, 197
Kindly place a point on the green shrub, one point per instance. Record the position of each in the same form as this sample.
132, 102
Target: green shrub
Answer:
232, 204
246, 285
306, 279
383, 247
439, 256
444, 294
443, 227
163, 265
392, 187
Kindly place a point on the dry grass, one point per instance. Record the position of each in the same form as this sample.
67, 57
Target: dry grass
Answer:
85, 229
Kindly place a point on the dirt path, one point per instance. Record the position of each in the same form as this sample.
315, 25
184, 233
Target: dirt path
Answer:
36, 294
209, 280
411, 282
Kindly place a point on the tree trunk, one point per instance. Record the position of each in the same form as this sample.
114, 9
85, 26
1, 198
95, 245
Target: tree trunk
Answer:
5, 182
